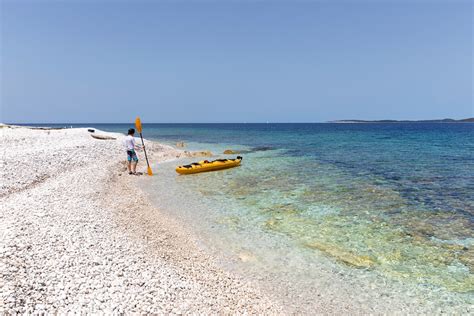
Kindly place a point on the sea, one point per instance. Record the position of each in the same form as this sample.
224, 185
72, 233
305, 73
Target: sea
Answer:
376, 216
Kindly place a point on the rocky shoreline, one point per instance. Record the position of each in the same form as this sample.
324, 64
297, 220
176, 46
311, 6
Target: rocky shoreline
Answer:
78, 236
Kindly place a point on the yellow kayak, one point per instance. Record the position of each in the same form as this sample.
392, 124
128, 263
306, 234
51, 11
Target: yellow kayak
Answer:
205, 165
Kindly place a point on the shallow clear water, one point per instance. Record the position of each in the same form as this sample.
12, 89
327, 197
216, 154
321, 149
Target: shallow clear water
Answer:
376, 203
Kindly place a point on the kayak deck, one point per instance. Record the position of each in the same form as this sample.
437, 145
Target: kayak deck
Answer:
205, 166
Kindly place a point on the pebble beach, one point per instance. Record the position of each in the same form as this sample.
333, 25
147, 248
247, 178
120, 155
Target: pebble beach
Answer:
78, 236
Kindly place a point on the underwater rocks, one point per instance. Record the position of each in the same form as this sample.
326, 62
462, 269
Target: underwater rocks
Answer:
262, 148
443, 225
467, 258
231, 152
342, 255
206, 153
247, 151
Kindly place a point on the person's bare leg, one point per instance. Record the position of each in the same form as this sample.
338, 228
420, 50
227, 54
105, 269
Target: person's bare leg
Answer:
129, 168
134, 167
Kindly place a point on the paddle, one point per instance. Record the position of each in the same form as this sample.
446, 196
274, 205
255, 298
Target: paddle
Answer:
138, 125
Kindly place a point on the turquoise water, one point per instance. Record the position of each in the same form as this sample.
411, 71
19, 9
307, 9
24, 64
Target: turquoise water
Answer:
377, 203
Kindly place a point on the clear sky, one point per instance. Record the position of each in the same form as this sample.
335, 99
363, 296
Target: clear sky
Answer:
235, 61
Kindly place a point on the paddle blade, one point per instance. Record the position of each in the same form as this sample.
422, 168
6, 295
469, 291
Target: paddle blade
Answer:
138, 125
150, 173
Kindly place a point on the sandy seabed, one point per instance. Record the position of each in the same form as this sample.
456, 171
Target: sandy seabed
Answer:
78, 236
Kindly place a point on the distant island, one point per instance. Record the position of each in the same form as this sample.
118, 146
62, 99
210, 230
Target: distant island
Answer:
448, 120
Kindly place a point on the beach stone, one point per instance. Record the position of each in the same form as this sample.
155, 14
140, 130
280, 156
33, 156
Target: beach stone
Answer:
247, 256
103, 137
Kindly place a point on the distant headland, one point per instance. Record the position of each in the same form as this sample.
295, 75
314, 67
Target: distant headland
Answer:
447, 120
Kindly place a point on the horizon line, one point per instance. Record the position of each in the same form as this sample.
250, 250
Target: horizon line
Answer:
267, 122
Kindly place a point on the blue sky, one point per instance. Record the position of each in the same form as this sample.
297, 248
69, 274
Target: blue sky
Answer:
235, 61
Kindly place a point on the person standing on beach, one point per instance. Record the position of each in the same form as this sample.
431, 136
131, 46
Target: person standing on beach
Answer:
132, 158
